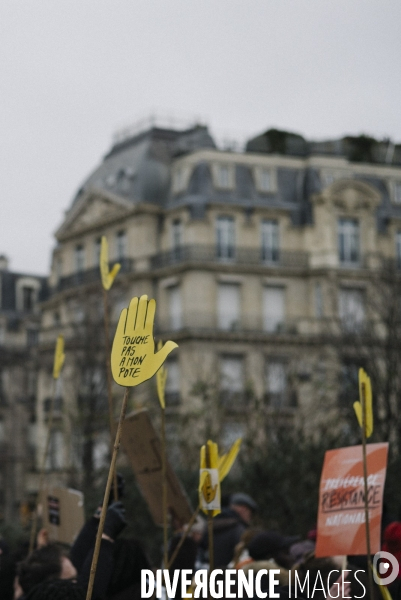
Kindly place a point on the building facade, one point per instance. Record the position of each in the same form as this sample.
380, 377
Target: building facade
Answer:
255, 258
20, 297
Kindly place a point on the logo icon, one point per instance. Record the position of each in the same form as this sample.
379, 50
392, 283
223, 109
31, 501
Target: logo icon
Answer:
385, 568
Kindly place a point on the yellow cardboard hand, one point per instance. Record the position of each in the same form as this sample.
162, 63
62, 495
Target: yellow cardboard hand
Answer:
209, 482
161, 377
227, 460
107, 276
133, 357
59, 357
365, 395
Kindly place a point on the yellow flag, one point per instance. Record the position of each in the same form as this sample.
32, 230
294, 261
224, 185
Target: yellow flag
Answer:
227, 460
133, 356
107, 276
161, 377
365, 395
209, 483
59, 357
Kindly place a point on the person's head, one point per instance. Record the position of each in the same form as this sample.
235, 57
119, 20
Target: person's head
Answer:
244, 506
271, 544
58, 589
44, 564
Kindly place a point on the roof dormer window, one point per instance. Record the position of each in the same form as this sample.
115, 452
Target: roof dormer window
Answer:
223, 176
180, 179
265, 179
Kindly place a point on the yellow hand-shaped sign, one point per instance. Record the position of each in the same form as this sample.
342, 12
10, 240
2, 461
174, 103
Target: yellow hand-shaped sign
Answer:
208, 490
209, 483
133, 357
59, 357
107, 276
227, 460
365, 395
161, 377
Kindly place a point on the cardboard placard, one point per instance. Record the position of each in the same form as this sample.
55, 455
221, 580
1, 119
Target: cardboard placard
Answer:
341, 514
62, 512
142, 446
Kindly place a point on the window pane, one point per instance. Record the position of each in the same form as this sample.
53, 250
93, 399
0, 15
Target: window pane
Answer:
223, 176
79, 258
27, 298
96, 252
398, 249
278, 393
176, 238
121, 242
270, 241
232, 373
351, 308
348, 241
319, 300
175, 307
273, 308
228, 306
225, 237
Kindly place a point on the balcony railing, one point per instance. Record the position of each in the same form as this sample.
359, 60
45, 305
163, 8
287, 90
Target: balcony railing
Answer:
199, 253
210, 322
89, 276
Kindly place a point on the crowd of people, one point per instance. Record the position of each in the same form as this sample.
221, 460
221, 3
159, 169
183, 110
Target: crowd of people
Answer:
52, 572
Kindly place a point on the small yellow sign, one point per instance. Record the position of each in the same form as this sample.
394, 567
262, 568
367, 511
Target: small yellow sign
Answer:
59, 357
108, 277
365, 396
133, 357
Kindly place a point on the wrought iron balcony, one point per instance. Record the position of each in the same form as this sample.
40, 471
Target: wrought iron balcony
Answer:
202, 253
89, 276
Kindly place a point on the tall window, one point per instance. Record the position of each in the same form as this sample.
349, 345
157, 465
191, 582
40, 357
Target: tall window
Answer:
96, 251
121, 245
228, 305
270, 241
319, 310
232, 379
397, 192
173, 381
398, 248
225, 238
351, 308
273, 308
224, 176
175, 307
277, 385
79, 258
176, 238
348, 241
28, 298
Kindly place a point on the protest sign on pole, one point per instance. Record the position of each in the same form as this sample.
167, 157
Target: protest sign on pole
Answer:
62, 511
133, 361
143, 449
341, 513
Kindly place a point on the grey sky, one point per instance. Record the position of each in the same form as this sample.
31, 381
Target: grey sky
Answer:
72, 72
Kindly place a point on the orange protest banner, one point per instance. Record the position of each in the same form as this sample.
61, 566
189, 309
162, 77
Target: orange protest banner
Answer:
341, 515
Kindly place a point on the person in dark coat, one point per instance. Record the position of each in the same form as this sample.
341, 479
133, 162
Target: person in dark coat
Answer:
229, 526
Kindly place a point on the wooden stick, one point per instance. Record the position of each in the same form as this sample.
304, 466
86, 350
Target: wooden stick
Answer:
43, 467
365, 484
183, 538
209, 520
164, 489
109, 383
106, 496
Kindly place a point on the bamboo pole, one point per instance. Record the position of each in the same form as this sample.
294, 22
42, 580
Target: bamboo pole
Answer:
106, 496
43, 467
164, 489
365, 484
109, 382
209, 522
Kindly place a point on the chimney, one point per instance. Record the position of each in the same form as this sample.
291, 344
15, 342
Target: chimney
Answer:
3, 262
